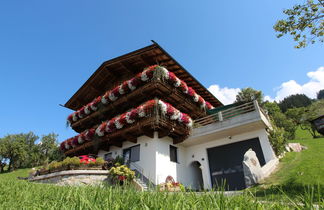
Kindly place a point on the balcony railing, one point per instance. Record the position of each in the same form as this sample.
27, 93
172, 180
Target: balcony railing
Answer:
227, 114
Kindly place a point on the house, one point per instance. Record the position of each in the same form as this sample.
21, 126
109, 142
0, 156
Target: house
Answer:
146, 107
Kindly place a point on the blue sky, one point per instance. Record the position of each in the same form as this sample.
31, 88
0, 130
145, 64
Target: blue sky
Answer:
49, 48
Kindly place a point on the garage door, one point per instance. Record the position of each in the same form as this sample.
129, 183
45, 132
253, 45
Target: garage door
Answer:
225, 163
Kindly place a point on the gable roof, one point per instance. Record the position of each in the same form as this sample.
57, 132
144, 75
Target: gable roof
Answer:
130, 64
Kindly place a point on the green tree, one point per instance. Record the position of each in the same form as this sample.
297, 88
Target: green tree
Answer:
294, 101
280, 120
305, 22
2, 159
315, 110
320, 94
49, 148
296, 114
32, 150
14, 150
249, 94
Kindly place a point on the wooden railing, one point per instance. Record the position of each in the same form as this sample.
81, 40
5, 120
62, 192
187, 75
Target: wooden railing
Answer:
226, 114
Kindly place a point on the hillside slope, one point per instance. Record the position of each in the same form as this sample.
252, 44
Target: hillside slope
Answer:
298, 172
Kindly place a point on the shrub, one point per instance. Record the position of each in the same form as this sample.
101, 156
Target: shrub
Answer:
75, 162
100, 161
91, 164
122, 173
119, 161
54, 165
66, 162
277, 140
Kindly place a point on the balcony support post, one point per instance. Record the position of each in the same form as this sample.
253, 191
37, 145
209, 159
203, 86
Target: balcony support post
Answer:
220, 116
256, 105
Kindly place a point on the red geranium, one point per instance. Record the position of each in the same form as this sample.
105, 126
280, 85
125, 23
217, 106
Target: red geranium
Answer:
115, 91
90, 133
70, 118
183, 86
170, 110
148, 106
200, 100
209, 106
191, 92
122, 119
125, 87
111, 125
172, 77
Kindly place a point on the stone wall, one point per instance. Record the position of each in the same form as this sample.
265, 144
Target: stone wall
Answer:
73, 178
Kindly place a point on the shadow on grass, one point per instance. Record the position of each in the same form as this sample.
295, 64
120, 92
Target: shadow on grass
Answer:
291, 190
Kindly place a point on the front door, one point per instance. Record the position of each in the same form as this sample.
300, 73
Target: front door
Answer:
225, 163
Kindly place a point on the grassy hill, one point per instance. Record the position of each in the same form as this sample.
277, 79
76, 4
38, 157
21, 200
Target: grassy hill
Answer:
20, 194
298, 172
299, 180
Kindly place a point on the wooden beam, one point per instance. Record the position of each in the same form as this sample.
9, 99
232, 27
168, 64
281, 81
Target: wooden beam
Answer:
165, 131
179, 139
129, 137
116, 143
127, 67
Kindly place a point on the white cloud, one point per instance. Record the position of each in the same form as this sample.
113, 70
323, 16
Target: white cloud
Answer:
316, 83
310, 88
225, 95
268, 98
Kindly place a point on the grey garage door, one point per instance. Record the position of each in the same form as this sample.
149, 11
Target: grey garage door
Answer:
225, 163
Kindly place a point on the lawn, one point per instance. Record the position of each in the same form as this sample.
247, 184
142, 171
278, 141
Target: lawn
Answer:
300, 180
20, 194
298, 172
15, 194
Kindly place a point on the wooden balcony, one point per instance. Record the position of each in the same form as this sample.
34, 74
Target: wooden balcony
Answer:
151, 90
146, 126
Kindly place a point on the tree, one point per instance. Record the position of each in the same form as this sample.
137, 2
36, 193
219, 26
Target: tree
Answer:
305, 22
312, 112
320, 94
2, 159
280, 120
296, 114
14, 150
48, 148
249, 94
294, 101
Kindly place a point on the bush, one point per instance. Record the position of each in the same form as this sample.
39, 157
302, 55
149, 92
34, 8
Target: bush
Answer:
121, 173
75, 162
66, 162
54, 165
278, 140
119, 161
100, 161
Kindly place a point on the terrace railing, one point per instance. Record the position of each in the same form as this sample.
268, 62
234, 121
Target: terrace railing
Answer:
228, 114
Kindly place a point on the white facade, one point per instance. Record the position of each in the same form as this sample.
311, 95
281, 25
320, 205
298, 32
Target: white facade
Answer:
192, 153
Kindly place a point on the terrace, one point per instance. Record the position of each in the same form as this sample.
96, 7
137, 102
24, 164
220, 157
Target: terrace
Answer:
226, 121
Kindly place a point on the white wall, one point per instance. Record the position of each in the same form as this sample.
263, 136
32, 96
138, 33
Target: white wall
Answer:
155, 156
147, 155
165, 167
199, 153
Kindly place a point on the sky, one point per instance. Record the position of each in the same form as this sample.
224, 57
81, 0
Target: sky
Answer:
48, 49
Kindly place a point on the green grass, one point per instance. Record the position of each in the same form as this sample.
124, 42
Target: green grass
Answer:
303, 134
297, 172
300, 180
20, 194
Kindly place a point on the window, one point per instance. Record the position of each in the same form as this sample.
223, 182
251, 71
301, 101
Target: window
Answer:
132, 154
135, 153
108, 156
173, 154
